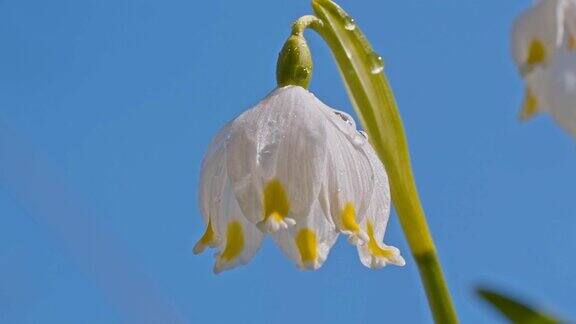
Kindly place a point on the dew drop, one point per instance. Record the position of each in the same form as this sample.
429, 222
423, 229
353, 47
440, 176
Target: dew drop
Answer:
363, 133
302, 73
349, 23
264, 156
359, 139
345, 117
376, 63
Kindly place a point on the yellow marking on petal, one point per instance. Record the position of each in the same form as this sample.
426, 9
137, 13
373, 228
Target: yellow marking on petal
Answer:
307, 245
572, 42
374, 247
530, 106
348, 218
234, 241
208, 239
276, 216
536, 52
275, 203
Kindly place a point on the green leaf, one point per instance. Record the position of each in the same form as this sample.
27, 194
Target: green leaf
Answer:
513, 310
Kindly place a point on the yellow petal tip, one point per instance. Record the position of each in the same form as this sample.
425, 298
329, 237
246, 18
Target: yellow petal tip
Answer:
208, 239
529, 106
308, 247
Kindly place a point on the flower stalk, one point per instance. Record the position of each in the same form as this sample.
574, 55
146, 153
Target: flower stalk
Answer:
361, 69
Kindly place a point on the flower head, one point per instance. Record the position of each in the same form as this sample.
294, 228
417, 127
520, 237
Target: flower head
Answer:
298, 170
544, 48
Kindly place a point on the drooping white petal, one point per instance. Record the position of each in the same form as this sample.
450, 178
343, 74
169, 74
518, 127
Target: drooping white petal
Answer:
536, 97
236, 239
537, 33
240, 239
212, 180
375, 254
560, 81
276, 158
349, 176
309, 241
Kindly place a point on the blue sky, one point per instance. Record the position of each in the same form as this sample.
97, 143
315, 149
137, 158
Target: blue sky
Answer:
107, 107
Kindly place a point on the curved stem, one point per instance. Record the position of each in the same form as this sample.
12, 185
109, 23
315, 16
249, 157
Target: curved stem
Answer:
308, 21
361, 68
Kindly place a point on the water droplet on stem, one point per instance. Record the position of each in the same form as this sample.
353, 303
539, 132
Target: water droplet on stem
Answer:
376, 63
349, 23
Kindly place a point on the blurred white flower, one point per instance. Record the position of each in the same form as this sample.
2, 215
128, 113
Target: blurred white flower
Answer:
544, 48
298, 170
553, 89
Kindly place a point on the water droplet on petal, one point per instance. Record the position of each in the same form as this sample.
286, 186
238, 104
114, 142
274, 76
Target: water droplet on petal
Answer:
265, 156
359, 139
363, 133
345, 117
349, 23
376, 63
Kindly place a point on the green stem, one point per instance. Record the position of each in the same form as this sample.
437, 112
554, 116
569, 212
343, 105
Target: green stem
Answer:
374, 102
304, 22
436, 288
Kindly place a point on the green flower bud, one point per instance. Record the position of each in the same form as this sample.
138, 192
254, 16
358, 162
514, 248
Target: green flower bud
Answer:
294, 65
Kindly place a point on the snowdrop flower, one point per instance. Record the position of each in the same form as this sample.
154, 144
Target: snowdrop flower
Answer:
543, 47
553, 89
298, 170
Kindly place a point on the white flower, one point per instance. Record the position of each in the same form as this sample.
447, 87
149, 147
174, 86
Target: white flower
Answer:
553, 89
298, 170
544, 47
